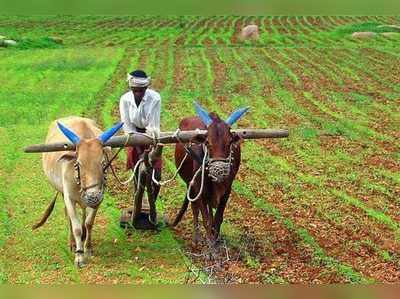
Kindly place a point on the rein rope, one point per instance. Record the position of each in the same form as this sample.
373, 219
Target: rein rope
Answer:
160, 183
217, 169
109, 164
202, 169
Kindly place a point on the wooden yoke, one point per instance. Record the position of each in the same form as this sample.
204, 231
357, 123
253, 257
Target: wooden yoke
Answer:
164, 138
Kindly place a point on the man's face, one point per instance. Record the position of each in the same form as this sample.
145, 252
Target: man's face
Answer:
139, 92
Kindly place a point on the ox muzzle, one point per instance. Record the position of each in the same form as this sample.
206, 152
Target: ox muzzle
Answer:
92, 198
220, 169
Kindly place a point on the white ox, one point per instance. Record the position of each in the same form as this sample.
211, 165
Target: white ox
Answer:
79, 175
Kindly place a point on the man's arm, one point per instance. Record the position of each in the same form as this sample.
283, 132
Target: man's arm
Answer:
124, 113
154, 121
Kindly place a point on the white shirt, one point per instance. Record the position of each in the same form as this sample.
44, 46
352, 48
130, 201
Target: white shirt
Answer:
146, 116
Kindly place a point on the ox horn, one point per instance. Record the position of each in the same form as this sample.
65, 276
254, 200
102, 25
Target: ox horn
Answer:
236, 115
110, 132
203, 114
68, 133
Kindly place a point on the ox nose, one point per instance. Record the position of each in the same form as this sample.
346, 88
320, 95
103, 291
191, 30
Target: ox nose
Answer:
93, 199
219, 170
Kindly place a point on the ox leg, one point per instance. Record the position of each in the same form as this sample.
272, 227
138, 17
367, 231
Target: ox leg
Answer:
207, 221
196, 226
219, 215
76, 229
89, 221
83, 225
72, 243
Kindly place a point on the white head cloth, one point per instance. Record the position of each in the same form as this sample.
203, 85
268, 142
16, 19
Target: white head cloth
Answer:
138, 82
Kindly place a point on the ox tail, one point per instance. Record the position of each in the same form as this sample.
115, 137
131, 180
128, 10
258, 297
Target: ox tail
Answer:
182, 211
46, 213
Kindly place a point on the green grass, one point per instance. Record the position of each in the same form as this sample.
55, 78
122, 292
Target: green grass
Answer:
39, 43
28, 192
367, 26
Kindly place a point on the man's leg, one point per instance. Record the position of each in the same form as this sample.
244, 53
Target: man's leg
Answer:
130, 154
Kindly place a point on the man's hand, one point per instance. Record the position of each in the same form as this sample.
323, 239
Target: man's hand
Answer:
128, 136
153, 133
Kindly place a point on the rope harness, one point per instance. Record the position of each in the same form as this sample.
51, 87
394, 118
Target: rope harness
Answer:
79, 182
92, 199
105, 166
218, 168
218, 171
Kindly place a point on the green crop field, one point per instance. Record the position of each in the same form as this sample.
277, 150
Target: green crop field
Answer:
322, 206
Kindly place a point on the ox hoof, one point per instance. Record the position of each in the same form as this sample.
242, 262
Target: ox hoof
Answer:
72, 246
196, 238
88, 252
79, 260
212, 254
166, 220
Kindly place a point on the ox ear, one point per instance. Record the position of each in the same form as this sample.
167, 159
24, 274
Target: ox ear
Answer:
236, 138
68, 133
110, 132
203, 114
71, 156
200, 138
236, 115
108, 151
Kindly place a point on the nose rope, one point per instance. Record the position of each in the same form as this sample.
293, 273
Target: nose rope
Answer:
84, 189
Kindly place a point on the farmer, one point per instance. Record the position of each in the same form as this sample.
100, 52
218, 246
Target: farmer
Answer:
140, 112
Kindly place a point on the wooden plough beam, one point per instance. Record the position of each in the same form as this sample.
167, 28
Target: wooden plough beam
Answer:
165, 138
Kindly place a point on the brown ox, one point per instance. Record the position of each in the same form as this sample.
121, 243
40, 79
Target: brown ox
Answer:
79, 176
220, 154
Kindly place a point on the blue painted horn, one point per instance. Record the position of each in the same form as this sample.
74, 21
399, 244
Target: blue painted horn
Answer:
68, 133
203, 114
110, 132
236, 115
